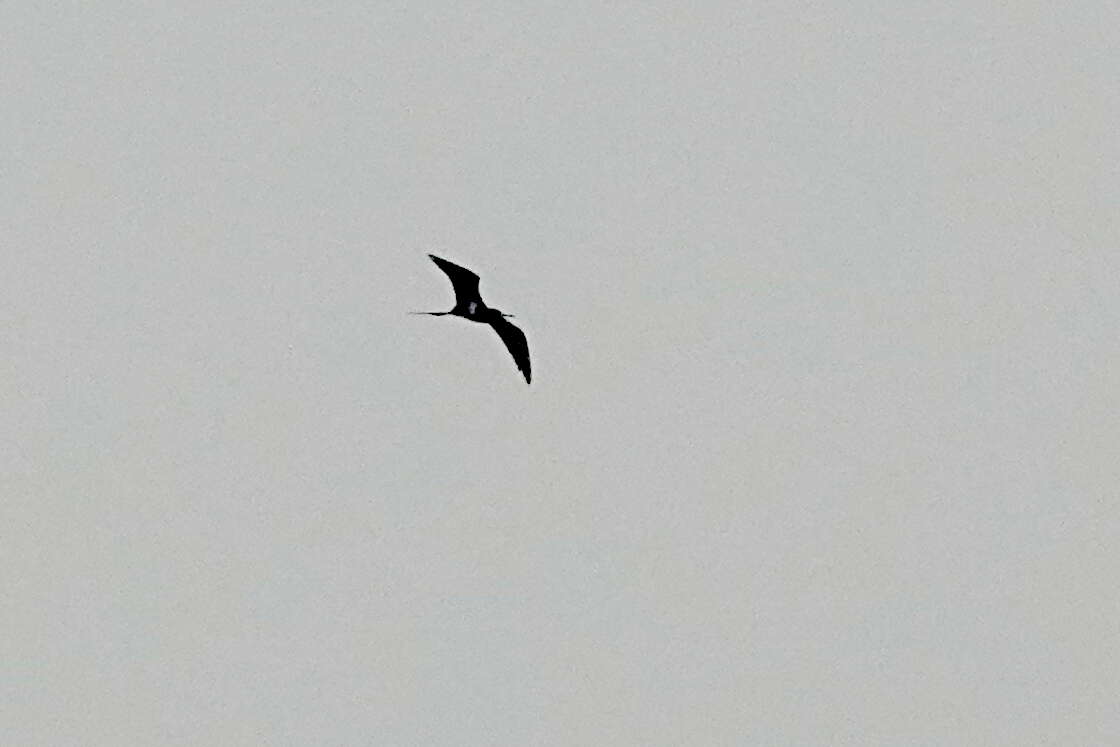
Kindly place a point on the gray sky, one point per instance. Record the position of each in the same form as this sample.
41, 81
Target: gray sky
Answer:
821, 446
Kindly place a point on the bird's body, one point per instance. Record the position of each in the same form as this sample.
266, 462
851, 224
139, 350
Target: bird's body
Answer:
469, 305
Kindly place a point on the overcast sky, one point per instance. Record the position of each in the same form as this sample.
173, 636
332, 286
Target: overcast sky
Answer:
822, 440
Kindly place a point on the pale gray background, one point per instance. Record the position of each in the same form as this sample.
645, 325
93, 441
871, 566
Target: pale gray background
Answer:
822, 446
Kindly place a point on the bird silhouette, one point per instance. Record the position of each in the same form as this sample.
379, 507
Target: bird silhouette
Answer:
469, 305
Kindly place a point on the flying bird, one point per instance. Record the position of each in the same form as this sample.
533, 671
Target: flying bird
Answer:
469, 305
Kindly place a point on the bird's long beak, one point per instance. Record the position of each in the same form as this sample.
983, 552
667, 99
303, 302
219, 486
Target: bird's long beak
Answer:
430, 313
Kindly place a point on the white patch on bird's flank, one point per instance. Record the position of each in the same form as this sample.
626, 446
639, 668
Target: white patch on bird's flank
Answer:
472, 307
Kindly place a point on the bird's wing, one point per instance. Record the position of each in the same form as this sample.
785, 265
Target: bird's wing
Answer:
516, 343
464, 281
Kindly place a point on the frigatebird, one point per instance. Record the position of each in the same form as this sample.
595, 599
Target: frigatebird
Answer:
469, 305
